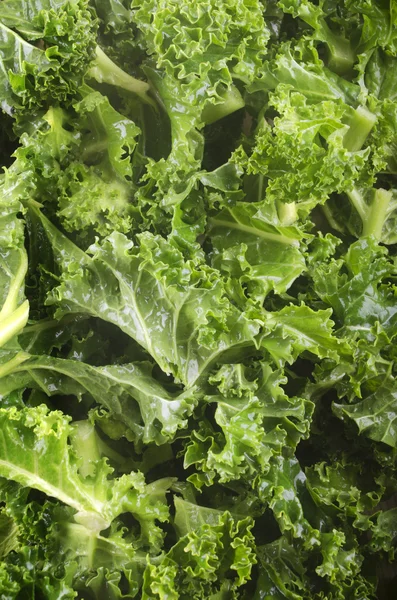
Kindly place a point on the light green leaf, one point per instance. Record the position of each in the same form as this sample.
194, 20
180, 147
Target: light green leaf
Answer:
35, 452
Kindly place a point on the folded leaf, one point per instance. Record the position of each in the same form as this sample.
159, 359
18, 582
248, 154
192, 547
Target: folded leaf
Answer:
193, 324
376, 414
148, 411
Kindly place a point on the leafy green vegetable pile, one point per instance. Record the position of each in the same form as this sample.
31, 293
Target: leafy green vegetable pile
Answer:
198, 301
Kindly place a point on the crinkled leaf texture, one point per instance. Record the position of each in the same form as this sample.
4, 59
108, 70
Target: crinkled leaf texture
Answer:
256, 420
32, 75
179, 313
216, 557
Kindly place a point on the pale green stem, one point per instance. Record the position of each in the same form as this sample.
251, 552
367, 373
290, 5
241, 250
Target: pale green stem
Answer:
12, 364
10, 303
360, 127
104, 70
14, 323
340, 54
330, 218
376, 215
359, 203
